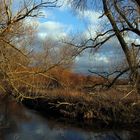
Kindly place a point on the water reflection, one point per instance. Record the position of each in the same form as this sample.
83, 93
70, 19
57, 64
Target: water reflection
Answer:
19, 123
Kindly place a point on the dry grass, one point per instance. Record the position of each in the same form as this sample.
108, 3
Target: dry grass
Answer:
108, 106
72, 95
64, 94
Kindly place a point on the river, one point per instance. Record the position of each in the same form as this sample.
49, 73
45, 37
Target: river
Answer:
19, 123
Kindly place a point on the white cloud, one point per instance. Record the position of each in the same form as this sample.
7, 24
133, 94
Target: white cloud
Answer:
93, 16
95, 24
46, 13
132, 39
100, 58
64, 4
51, 25
89, 61
53, 29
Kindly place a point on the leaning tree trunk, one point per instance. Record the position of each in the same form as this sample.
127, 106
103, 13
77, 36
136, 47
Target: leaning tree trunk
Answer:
131, 61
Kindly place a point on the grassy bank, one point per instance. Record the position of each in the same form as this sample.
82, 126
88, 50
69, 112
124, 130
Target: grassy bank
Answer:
107, 107
61, 93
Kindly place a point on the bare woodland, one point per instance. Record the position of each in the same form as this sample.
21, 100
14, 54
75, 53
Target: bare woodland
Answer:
16, 37
18, 60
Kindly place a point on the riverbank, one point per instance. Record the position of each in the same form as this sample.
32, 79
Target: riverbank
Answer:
23, 123
108, 107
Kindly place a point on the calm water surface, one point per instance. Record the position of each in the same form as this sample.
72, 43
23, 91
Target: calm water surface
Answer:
20, 123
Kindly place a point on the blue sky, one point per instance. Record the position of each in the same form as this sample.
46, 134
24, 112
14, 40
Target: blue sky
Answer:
59, 23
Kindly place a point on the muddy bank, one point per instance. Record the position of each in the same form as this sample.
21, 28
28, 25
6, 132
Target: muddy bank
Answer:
98, 111
23, 123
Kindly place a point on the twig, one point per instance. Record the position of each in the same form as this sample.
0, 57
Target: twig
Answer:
127, 94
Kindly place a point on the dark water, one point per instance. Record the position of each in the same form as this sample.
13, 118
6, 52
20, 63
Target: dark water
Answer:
20, 123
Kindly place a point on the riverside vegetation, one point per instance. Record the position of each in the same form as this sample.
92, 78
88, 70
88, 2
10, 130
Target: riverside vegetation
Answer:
38, 72
62, 93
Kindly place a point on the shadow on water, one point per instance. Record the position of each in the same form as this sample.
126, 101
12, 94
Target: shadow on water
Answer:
20, 123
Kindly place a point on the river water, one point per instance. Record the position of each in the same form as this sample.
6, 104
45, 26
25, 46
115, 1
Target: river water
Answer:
20, 123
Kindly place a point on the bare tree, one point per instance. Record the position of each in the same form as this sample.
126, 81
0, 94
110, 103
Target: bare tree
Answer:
15, 34
123, 17
21, 69
133, 64
53, 53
